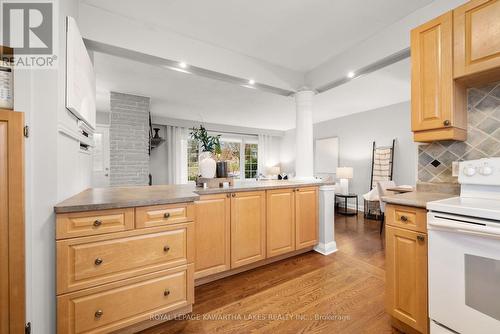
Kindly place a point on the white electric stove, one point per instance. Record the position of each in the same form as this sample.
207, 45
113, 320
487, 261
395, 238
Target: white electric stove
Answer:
464, 253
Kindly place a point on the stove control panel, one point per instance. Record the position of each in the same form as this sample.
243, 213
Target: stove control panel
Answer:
482, 171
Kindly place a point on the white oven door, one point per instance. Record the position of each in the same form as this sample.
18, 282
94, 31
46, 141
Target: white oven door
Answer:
464, 273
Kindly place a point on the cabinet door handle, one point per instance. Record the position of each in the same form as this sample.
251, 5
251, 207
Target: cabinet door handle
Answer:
234, 195
420, 237
228, 195
166, 215
166, 292
404, 219
298, 189
447, 122
166, 248
98, 261
97, 223
98, 314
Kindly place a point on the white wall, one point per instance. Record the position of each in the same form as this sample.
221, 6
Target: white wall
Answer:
49, 173
356, 134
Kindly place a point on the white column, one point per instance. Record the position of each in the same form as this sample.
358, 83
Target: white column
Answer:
304, 168
326, 244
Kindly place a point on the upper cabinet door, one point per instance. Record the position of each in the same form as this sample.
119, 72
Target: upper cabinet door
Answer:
477, 37
432, 76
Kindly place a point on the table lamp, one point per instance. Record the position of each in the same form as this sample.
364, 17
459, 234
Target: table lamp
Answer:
344, 174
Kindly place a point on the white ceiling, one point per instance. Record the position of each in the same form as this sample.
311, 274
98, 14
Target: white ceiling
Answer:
296, 34
185, 96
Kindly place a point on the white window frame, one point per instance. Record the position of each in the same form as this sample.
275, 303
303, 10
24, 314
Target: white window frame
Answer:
242, 139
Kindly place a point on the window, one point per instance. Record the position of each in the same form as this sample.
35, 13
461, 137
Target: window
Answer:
239, 151
250, 161
230, 152
192, 157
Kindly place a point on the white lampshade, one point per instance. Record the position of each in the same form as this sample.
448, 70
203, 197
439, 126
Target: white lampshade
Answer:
344, 172
273, 170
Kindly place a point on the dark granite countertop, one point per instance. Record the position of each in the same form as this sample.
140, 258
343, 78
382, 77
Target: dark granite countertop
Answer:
122, 197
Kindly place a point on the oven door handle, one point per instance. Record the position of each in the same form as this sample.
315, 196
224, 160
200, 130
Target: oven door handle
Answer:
483, 231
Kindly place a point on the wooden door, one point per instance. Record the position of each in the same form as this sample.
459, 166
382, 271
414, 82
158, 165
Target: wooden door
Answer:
12, 276
306, 217
432, 75
248, 227
280, 206
406, 277
212, 234
477, 37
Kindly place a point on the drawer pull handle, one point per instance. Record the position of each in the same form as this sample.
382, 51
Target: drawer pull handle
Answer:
234, 195
446, 123
98, 261
228, 195
404, 219
98, 314
420, 238
298, 189
97, 223
166, 292
166, 249
166, 215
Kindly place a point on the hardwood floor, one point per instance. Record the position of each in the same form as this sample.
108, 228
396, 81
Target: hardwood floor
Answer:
309, 293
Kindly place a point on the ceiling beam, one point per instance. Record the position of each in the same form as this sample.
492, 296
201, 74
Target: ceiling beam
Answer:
176, 66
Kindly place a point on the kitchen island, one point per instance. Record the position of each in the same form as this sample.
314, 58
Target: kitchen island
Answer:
126, 254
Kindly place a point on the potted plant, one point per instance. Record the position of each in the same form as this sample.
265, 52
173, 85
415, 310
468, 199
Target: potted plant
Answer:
209, 145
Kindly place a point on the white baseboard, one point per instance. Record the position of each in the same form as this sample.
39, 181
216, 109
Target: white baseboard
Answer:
326, 249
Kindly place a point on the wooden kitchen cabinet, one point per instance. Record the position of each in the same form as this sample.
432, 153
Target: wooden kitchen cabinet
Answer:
476, 28
212, 234
280, 209
437, 102
406, 271
306, 217
248, 227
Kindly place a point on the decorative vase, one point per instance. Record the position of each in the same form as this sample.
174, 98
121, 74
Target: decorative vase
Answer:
222, 168
207, 165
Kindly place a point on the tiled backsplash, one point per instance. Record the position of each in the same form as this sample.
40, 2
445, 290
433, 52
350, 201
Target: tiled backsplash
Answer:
483, 137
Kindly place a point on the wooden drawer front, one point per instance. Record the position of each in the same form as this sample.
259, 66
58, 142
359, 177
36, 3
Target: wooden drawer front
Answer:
79, 224
89, 261
108, 308
407, 217
160, 215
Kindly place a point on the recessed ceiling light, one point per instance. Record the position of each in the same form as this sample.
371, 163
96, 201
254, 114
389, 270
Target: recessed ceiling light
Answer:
183, 64
350, 74
251, 81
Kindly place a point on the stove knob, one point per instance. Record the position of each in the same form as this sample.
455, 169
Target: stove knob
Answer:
469, 171
486, 170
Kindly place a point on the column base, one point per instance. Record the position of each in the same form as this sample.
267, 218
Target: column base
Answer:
327, 249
